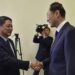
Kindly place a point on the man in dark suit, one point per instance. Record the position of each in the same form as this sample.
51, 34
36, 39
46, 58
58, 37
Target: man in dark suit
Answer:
63, 49
9, 64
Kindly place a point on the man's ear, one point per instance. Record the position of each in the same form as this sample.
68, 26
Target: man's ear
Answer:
57, 12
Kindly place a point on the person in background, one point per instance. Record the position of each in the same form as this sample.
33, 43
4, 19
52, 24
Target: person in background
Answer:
9, 64
44, 41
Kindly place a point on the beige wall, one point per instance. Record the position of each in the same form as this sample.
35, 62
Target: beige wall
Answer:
26, 14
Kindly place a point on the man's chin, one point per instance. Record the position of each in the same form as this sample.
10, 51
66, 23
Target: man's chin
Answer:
52, 25
9, 35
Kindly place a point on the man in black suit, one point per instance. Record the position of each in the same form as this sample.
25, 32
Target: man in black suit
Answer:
63, 49
9, 64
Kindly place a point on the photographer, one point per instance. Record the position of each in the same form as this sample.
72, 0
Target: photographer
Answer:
44, 40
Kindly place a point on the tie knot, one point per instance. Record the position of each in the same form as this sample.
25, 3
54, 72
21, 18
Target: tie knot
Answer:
56, 33
7, 42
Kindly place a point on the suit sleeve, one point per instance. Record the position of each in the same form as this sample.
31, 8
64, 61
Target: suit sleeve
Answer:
69, 50
46, 61
6, 60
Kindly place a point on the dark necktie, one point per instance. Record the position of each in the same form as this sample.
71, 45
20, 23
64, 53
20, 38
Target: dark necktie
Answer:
8, 44
56, 33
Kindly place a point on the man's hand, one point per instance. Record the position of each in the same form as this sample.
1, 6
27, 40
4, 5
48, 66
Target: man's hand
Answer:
36, 65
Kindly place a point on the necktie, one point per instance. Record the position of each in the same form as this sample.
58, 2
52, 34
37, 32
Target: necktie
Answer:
56, 33
9, 45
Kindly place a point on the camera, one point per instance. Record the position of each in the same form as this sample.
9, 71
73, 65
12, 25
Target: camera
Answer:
40, 28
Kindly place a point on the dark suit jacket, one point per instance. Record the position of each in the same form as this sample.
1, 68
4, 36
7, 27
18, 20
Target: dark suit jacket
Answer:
63, 52
9, 64
44, 47
43, 52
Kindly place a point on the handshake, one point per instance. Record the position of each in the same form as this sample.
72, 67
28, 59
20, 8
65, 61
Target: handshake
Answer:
36, 65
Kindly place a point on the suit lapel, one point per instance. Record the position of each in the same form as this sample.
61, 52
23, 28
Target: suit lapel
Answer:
59, 35
5, 46
13, 46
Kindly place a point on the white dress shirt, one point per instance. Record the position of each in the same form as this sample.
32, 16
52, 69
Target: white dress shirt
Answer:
60, 26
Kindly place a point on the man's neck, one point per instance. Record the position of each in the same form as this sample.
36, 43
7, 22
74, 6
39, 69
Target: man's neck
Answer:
3, 36
60, 21
61, 25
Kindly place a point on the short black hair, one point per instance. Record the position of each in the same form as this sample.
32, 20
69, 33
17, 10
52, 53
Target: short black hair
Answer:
58, 6
3, 19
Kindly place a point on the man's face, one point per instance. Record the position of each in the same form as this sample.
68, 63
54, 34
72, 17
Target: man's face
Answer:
52, 18
6, 28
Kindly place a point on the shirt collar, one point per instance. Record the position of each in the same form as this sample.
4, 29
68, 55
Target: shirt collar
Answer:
60, 26
5, 39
